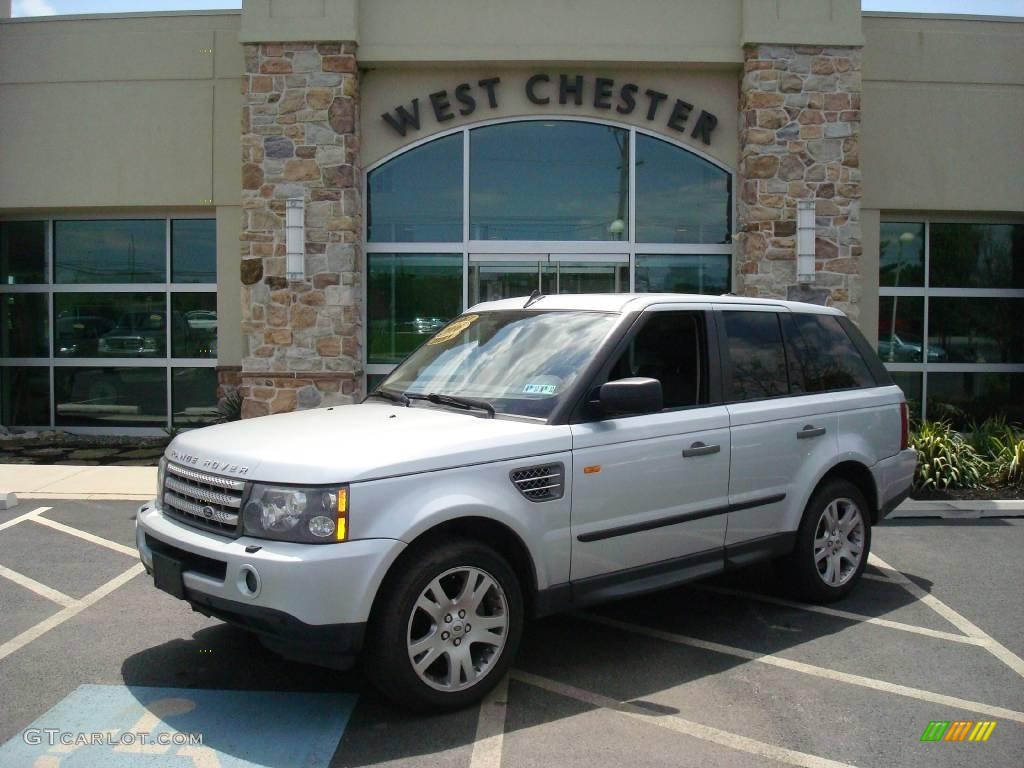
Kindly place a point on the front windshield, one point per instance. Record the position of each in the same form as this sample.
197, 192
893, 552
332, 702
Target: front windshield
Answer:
520, 361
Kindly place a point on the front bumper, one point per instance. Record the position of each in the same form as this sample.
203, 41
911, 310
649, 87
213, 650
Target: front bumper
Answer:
311, 601
894, 477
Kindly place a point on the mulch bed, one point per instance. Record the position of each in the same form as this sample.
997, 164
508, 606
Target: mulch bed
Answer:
968, 494
49, 447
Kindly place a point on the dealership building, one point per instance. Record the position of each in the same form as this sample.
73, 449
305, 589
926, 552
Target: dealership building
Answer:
289, 198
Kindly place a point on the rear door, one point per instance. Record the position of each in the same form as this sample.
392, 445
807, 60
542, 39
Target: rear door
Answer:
779, 433
649, 495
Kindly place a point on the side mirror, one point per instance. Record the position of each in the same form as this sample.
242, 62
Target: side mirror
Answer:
633, 395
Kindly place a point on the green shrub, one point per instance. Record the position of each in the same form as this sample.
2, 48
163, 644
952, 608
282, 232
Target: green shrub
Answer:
230, 407
981, 435
1008, 459
945, 459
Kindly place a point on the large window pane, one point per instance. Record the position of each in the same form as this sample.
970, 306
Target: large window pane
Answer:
109, 325
25, 396
965, 397
409, 297
680, 198
23, 325
901, 330
111, 397
194, 324
193, 396
549, 181
22, 252
126, 251
194, 251
682, 274
417, 197
974, 330
977, 255
901, 255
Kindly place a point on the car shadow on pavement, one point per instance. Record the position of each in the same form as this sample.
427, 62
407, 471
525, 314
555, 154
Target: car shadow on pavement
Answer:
574, 649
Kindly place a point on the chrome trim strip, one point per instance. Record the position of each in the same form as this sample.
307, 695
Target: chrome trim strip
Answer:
202, 477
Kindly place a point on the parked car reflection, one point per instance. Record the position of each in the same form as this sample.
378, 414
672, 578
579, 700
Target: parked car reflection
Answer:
893, 349
142, 334
80, 336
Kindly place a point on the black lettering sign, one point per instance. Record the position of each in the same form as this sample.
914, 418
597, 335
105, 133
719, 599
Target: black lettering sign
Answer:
538, 90
565, 89
531, 89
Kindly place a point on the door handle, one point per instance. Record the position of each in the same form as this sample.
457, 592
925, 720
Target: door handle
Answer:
699, 449
810, 430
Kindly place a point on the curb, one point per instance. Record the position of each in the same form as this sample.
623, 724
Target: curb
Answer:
959, 510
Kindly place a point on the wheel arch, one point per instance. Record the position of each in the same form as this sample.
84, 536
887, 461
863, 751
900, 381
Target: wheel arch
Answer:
857, 473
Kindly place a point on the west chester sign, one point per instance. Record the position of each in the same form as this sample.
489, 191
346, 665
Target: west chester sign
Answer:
545, 89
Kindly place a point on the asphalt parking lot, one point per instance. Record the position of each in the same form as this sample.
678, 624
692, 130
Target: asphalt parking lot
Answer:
719, 673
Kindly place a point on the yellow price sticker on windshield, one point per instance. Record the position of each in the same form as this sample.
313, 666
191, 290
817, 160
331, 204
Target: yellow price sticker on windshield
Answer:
450, 332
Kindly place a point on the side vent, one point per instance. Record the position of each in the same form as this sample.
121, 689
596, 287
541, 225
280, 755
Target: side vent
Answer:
544, 482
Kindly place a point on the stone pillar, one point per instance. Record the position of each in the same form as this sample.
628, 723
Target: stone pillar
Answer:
300, 139
800, 138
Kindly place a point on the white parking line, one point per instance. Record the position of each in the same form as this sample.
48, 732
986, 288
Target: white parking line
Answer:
490, 728
40, 589
858, 617
130, 551
965, 625
22, 518
679, 725
26, 637
816, 671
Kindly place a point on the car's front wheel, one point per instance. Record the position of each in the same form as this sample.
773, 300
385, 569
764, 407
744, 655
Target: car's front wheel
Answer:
832, 545
446, 627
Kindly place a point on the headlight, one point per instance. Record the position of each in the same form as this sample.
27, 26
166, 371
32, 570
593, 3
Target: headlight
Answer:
317, 515
160, 474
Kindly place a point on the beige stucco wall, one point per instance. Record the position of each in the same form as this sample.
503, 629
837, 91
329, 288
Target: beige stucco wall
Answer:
943, 110
137, 112
710, 89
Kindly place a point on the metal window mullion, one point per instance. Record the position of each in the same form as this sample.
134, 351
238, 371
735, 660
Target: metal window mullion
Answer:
110, 362
465, 219
110, 288
168, 323
414, 247
632, 209
925, 327
51, 318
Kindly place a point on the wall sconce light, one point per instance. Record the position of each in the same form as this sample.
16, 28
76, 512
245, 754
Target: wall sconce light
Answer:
805, 232
616, 228
295, 237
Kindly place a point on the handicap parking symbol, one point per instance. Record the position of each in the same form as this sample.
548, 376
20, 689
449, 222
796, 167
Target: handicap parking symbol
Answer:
116, 726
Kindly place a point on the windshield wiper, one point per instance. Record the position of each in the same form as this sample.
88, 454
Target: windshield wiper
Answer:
465, 403
394, 397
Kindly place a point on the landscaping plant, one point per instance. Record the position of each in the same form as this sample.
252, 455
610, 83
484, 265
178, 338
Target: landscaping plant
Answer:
945, 459
1008, 458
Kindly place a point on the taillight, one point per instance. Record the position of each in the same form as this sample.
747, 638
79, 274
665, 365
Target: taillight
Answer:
904, 427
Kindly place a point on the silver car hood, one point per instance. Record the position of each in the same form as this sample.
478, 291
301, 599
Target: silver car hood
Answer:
355, 443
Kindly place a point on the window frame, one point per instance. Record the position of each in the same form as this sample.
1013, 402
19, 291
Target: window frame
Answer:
927, 292
51, 288
628, 244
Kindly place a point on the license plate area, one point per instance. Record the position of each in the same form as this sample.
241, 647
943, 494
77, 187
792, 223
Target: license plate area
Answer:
167, 575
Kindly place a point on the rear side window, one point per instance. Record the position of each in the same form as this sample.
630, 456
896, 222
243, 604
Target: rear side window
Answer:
756, 356
823, 356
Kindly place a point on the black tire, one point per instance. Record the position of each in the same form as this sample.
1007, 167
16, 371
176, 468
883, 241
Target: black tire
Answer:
396, 618
802, 574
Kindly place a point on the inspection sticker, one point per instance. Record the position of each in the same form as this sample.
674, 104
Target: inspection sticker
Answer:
117, 726
540, 389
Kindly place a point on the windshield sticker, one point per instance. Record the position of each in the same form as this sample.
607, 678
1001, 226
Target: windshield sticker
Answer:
540, 389
453, 330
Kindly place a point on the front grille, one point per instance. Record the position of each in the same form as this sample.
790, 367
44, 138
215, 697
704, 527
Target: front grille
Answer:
544, 482
206, 501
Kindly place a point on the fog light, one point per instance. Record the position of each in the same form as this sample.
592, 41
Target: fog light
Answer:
321, 526
251, 582
248, 581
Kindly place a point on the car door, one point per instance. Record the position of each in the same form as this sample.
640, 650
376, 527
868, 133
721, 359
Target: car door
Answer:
778, 432
649, 494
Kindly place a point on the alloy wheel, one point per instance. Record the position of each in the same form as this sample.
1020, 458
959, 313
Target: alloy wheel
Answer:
839, 542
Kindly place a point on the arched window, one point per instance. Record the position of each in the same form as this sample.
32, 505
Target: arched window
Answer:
560, 205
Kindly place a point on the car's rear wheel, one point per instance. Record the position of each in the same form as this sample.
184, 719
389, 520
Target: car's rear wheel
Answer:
446, 627
833, 543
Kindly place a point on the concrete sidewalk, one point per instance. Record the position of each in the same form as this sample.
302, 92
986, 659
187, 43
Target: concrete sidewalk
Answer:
139, 483
61, 482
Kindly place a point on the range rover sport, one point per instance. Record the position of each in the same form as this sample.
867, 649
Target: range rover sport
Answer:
531, 456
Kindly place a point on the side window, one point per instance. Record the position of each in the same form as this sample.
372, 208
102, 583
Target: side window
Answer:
756, 357
824, 356
670, 348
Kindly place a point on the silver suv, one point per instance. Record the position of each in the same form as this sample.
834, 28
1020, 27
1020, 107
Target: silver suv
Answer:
530, 456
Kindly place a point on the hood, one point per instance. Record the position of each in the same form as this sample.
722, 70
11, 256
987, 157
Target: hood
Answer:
354, 443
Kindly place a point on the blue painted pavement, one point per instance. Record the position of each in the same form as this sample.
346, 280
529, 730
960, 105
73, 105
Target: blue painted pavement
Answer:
102, 726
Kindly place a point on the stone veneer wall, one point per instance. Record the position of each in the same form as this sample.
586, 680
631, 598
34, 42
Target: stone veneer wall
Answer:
800, 138
300, 139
